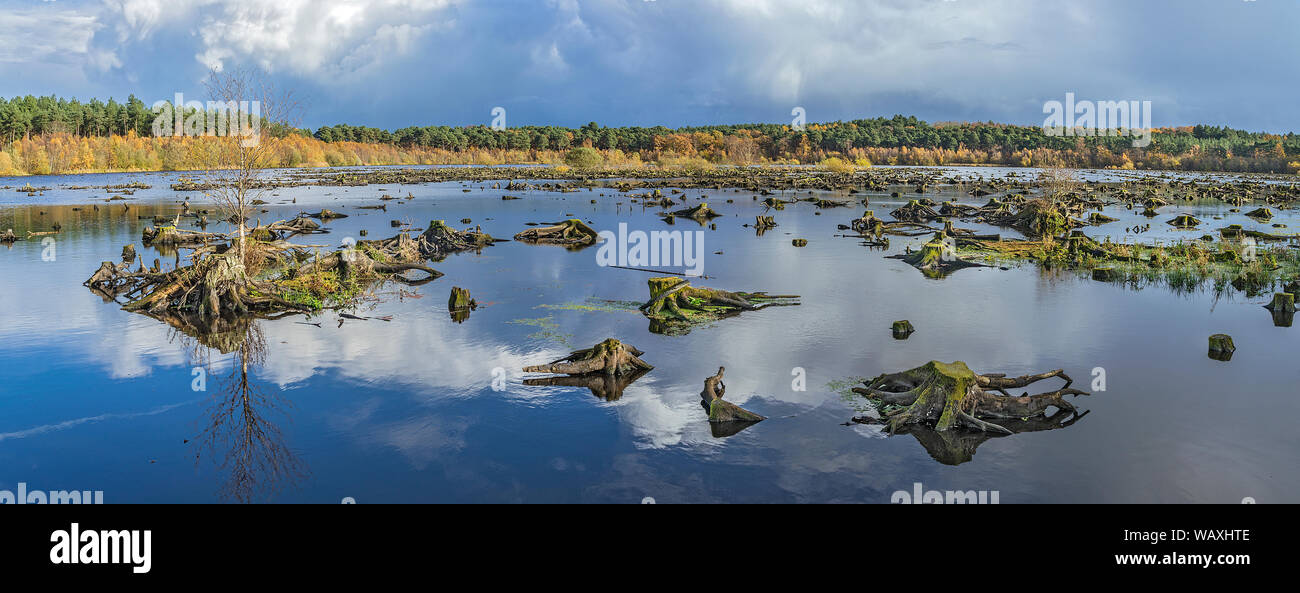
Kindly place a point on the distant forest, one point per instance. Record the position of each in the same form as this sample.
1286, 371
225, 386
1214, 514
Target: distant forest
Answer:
107, 135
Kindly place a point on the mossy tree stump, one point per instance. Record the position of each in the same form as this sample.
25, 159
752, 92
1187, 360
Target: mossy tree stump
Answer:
937, 257
611, 357
902, 329
569, 233
1282, 302
1260, 213
439, 240
698, 212
272, 278
947, 396
460, 299
673, 298
1221, 347
1184, 221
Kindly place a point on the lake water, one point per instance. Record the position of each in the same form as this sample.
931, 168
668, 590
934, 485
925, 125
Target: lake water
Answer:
96, 398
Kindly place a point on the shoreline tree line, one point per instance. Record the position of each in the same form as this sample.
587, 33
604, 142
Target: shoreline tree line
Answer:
44, 135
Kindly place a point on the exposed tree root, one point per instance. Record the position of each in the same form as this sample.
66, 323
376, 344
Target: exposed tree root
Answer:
610, 357
1035, 218
439, 240
569, 233
171, 236
674, 299
273, 277
698, 212
937, 258
868, 224
945, 396
916, 211
284, 229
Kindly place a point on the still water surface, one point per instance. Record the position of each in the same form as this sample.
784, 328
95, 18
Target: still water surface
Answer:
95, 398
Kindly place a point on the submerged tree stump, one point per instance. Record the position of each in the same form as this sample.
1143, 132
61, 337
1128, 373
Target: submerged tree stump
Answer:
460, 298
902, 329
1184, 221
937, 257
460, 304
945, 396
611, 357
720, 410
1283, 302
1097, 218
1221, 347
326, 214
569, 233
700, 213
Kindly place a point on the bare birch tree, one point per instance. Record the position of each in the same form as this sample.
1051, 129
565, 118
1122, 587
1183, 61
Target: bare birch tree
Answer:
245, 111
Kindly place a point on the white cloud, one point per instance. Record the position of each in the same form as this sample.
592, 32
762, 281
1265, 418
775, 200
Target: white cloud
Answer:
316, 38
50, 35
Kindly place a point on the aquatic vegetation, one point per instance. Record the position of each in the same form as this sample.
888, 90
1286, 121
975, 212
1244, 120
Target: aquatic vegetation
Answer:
547, 329
595, 304
1184, 265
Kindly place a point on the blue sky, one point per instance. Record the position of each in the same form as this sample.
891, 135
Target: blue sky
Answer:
393, 63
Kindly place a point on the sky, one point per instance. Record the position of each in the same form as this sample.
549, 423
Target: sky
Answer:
396, 63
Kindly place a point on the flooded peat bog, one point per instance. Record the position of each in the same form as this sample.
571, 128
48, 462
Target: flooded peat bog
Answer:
622, 297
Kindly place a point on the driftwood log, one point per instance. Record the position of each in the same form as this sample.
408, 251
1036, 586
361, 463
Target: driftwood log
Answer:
720, 410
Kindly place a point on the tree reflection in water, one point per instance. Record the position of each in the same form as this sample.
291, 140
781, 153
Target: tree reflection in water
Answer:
238, 433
